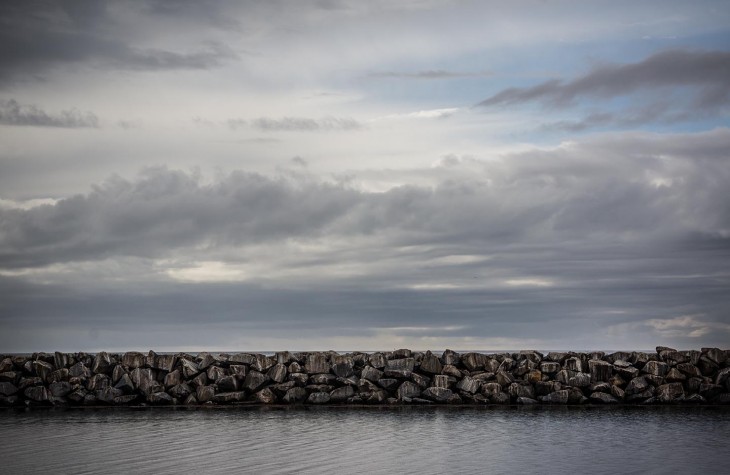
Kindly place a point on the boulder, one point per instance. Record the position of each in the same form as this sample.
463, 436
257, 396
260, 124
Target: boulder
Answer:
655, 368
504, 379
689, 370
408, 390
674, 375
534, 376
205, 360
557, 397
637, 385
317, 363
716, 355
160, 398
549, 367
173, 378
342, 394
144, 380
108, 395
227, 384
265, 396
431, 364
277, 373
399, 368
602, 398
134, 359
580, 380
600, 370
165, 362
422, 381
450, 357
441, 381
57, 388
254, 381
204, 393
36, 393
318, 398
295, 395
125, 384
214, 373
468, 384
499, 398
473, 361
79, 370
526, 401
670, 392
452, 371
518, 390
377, 360
181, 391
189, 368
262, 363
323, 378
343, 366
543, 388
102, 364
60, 360
436, 394
127, 399
42, 369
8, 389
371, 374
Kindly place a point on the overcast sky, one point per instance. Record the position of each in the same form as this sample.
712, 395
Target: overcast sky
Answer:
349, 175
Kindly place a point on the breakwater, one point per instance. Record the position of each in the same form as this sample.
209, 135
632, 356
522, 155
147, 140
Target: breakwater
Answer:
666, 376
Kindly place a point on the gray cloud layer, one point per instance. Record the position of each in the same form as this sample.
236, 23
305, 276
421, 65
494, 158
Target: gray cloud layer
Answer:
706, 70
625, 235
13, 113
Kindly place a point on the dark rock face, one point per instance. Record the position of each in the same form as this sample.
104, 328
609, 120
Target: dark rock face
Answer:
397, 377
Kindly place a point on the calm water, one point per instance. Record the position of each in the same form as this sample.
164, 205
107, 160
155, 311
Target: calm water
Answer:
357, 440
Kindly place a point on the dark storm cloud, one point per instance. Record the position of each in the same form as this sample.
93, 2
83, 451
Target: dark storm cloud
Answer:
37, 36
707, 71
13, 113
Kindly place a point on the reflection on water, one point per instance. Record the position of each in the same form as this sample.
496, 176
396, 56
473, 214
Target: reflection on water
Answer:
358, 440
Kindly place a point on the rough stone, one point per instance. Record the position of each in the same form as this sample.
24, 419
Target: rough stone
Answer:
134, 359
277, 373
8, 389
602, 398
265, 396
295, 395
254, 381
181, 391
371, 374
408, 390
342, 394
557, 397
431, 364
343, 366
227, 384
399, 368
436, 394
317, 363
318, 398
468, 384
600, 370
204, 393
655, 368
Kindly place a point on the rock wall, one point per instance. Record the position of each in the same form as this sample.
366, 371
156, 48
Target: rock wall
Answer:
394, 377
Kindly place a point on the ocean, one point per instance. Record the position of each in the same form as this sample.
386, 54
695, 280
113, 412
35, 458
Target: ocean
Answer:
354, 440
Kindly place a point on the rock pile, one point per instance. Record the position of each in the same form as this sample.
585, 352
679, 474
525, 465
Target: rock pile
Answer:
394, 377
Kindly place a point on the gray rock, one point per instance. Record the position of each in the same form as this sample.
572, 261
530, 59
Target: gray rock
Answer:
468, 384
689, 370
317, 363
134, 359
125, 384
200, 380
674, 376
673, 357
102, 364
323, 378
189, 368
165, 362
602, 398
108, 395
57, 389
637, 385
42, 369
601, 387
580, 380
318, 398
342, 394
144, 380
402, 353
441, 381
518, 390
452, 371
600, 370
534, 376
379, 397
408, 390
127, 399
655, 368
265, 396
716, 355
695, 399
450, 357
526, 401
343, 366
295, 395
549, 367
277, 373
242, 358
117, 373
499, 398
60, 360
420, 380
281, 388
173, 378
214, 373
670, 392
181, 391
543, 388
504, 378
79, 370
8, 389
371, 374
709, 391
12, 376
159, 398
473, 361
204, 393
205, 360
262, 363
431, 364
227, 384
389, 384
299, 378
254, 381
617, 392
377, 360
641, 396
626, 372
399, 368
36, 393
436, 394
557, 397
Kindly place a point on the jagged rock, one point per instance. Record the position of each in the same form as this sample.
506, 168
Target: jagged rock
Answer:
159, 398
79, 370
262, 363
716, 355
399, 368
499, 398
254, 381
316, 363
431, 364
281, 388
401, 353
674, 375
205, 360
295, 395
637, 385
299, 378
617, 392
102, 363
377, 360
204, 393
191, 400
200, 380
144, 380
526, 401
504, 378
12, 376
322, 378
189, 368
265, 396
549, 367
408, 390
557, 397
8, 389
673, 357
468, 384
669, 392
655, 368
242, 358
165, 362
436, 394
600, 370
627, 372
60, 360
602, 398
277, 373
575, 396
689, 370
214, 373
117, 373
173, 378
371, 374
441, 381
127, 399
227, 384
98, 382
389, 384
452, 371
342, 394
77, 396
343, 366
134, 359
28, 382
239, 371
379, 397
473, 361
557, 356
36, 393
42, 369
57, 388
534, 376
294, 367
517, 390
543, 388
450, 357
318, 398
108, 395
710, 391
125, 384
641, 396
181, 391
507, 364
695, 399
601, 387
580, 380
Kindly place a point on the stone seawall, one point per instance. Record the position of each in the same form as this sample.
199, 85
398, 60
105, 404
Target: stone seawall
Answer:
392, 377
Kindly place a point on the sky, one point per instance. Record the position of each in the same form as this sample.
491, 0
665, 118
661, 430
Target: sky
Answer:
185, 175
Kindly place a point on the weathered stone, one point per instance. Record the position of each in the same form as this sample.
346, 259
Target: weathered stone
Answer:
436, 394
299, 378
204, 393
318, 398
441, 381
173, 378
323, 378
431, 364
450, 357
626, 372
159, 398
295, 395
641, 396
189, 368
525, 401
79, 370
57, 389
8, 389
239, 371
134, 359
181, 391
165, 362
564, 376
637, 385
399, 368
227, 384
377, 360
200, 380
254, 381
408, 390
60, 360
507, 364
534, 376
601, 387
543, 388
343, 366
422, 381
262, 363
281, 388
389, 384
28, 382
549, 367
379, 397
674, 375
600, 370
97, 382
371, 374
575, 396
401, 353
499, 398
144, 380
452, 371
108, 394
125, 384
473, 361
504, 378
317, 363
710, 391
580, 380
205, 360
117, 373
214, 373
557, 356
77, 396
716, 355
517, 390
557, 397
12, 376
655, 368
722, 376
342, 394
102, 364
673, 357
468, 384
242, 358
36, 393
602, 398
265, 396
127, 399
617, 392
669, 392
689, 370
42, 369
277, 373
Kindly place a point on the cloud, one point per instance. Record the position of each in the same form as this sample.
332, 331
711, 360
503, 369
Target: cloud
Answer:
13, 113
304, 124
706, 71
429, 74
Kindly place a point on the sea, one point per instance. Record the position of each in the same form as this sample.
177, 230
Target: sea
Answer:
367, 440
